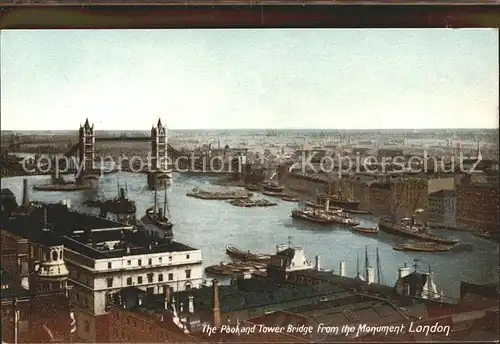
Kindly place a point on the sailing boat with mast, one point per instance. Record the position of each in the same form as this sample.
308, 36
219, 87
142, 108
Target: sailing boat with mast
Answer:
159, 218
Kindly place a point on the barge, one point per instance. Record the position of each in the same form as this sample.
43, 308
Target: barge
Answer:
423, 247
366, 230
236, 253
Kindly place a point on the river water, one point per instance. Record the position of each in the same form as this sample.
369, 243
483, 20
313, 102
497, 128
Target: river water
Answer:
211, 225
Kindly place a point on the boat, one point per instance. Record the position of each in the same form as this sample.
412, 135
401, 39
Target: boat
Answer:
252, 187
157, 220
340, 201
219, 269
357, 211
228, 195
247, 203
93, 203
273, 193
423, 247
366, 230
316, 205
407, 227
274, 187
290, 198
236, 253
321, 217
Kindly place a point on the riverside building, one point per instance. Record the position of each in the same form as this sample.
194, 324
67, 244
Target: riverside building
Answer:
100, 257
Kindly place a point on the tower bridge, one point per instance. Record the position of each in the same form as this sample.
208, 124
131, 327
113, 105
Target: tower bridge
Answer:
162, 155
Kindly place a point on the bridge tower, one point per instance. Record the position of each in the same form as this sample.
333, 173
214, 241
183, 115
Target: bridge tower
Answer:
86, 147
160, 170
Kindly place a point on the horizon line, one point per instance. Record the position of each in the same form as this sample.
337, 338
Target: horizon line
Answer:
268, 129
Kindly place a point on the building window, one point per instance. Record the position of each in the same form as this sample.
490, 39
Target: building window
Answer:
160, 277
129, 262
170, 276
54, 255
129, 281
150, 261
187, 256
188, 273
139, 262
110, 265
169, 258
139, 280
159, 260
109, 282
150, 278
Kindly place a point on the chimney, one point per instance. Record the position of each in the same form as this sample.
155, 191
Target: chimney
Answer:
317, 266
168, 295
404, 271
26, 200
342, 269
215, 304
370, 276
191, 304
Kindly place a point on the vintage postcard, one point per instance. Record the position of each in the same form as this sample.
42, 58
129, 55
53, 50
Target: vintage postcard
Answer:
249, 185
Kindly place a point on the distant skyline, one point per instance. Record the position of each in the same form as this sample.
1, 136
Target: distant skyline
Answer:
247, 79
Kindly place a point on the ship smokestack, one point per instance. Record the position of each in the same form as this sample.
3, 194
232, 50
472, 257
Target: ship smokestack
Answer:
215, 304
327, 205
342, 269
317, 266
26, 200
403, 271
370, 275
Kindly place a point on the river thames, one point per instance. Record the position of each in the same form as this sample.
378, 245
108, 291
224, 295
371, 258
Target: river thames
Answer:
211, 225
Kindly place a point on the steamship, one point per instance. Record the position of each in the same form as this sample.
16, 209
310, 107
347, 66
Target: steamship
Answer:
407, 227
157, 220
324, 216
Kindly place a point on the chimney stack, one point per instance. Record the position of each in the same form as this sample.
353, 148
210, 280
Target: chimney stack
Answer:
317, 266
191, 304
26, 200
168, 295
215, 304
342, 269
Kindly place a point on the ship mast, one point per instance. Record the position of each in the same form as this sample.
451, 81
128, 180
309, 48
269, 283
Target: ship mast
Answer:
165, 204
156, 194
379, 270
367, 263
357, 267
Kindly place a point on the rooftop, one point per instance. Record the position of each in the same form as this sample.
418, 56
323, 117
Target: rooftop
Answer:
94, 237
245, 294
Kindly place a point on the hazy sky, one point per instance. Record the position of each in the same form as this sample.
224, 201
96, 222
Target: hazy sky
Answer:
195, 79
